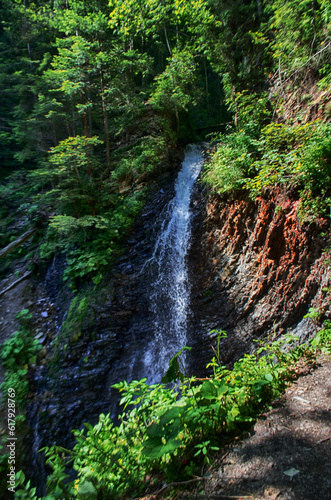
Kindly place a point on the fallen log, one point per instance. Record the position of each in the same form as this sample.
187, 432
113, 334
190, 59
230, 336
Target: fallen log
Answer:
14, 244
26, 275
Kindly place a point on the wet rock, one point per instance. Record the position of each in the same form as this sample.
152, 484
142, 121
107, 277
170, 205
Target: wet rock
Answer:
74, 386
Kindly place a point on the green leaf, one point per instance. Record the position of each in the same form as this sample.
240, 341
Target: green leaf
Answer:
222, 389
154, 430
173, 373
87, 490
208, 390
22, 313
153, 442
171, 414
159, 450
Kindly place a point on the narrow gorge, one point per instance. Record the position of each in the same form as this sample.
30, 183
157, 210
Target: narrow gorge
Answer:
195, 263
165, 187
249, 268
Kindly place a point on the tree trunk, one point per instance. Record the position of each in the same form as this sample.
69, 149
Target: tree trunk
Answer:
90, 127
105, 118
167, 39
207, 88
85, 125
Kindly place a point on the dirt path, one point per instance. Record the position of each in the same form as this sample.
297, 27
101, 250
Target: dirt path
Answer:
288, 455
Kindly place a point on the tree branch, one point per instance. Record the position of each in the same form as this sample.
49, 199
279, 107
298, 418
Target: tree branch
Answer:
21, 239
26, 275
304, 64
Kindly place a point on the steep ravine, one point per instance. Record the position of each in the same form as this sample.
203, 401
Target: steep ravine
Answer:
257, 270
254, 270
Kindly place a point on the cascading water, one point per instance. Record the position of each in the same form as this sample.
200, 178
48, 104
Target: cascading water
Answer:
139, 329
169, 293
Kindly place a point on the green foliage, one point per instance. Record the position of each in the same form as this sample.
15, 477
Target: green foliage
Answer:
301, 28
17, 353
174, 371
165, 24
322, 339
26, 491
230, 162
176, 87
140, 159
92, 241
70, 176
299, 156
79, 314
71, 187
251, 110
162, 428
20, 349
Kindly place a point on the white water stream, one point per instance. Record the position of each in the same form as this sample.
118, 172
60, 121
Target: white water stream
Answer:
170, 288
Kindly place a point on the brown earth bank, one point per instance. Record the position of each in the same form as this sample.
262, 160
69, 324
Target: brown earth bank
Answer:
257, 269
286, 456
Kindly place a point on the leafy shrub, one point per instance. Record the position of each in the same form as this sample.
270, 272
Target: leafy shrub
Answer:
230, 163
170, 431
176, 88
20, 350
141, 158
91, 242
322, 339
251, 110
299, 156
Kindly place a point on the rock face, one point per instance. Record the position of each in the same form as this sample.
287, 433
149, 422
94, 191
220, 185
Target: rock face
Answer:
73, 385
257, 269
254, 271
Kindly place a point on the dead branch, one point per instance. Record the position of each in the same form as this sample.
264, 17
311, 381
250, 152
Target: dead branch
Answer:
26, 275
14, 244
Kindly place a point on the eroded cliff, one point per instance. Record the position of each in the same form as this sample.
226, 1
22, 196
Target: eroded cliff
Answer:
257, 269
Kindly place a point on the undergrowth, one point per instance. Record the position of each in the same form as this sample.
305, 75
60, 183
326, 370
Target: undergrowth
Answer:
296, 155
171, 432
16, 354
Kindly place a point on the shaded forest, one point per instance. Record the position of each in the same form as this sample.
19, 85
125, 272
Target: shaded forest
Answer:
95, 97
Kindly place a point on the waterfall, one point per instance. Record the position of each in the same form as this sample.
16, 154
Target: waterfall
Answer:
169, 285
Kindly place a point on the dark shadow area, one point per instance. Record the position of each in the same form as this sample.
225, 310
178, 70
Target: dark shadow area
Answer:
288, 454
